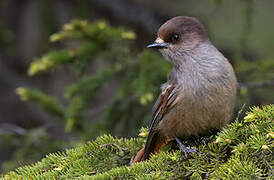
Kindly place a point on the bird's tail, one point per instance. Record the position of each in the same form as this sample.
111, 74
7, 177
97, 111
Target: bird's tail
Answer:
150, 147
152, 143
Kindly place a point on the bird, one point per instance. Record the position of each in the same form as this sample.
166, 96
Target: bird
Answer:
200, 92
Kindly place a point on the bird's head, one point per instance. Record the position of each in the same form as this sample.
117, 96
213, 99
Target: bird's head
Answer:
178, 35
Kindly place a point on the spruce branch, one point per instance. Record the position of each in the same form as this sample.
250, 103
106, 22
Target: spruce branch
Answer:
49, 103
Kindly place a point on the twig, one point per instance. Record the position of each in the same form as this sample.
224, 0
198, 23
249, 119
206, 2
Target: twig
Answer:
8, 128
269, 83
241, 111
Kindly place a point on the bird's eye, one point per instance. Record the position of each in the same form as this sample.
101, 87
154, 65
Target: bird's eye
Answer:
175, 38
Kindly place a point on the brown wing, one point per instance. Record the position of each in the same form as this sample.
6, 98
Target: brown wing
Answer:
162, 104
154, 139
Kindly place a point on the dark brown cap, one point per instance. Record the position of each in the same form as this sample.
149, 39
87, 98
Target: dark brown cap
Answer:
181, 31
183, 26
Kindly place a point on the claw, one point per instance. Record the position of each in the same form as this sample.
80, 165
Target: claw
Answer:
184, 148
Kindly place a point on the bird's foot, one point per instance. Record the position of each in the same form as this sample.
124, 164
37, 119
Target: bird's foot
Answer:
184, 148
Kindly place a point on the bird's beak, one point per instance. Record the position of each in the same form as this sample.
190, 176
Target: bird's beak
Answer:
158, 44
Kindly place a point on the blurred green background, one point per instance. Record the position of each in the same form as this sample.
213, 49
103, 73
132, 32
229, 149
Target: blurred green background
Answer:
73, 70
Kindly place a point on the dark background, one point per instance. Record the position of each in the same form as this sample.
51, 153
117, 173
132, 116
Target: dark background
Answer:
241, 29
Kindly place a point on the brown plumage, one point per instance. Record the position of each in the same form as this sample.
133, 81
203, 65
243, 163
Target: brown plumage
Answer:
200, 92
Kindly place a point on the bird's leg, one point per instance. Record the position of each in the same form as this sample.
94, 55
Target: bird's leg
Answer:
184, 148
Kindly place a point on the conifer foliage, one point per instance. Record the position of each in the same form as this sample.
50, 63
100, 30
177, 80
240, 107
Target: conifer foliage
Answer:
96, 56
108, 49
242, 150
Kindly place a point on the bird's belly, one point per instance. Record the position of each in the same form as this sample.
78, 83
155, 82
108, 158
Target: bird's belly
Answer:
195, 117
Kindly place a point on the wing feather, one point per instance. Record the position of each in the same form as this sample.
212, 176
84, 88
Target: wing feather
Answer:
162, 104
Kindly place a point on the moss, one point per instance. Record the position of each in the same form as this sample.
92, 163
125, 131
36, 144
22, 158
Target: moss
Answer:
243, 149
